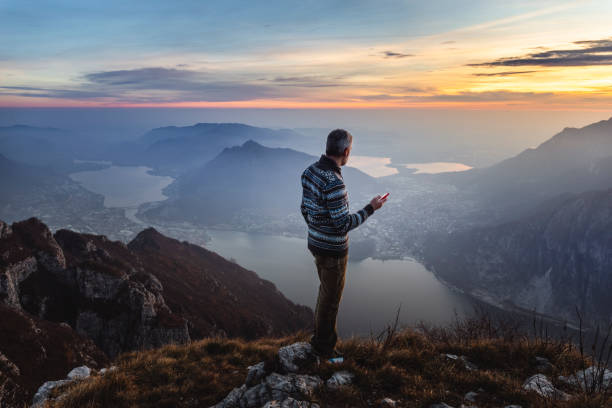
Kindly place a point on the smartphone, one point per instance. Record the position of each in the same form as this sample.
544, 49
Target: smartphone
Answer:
385, 196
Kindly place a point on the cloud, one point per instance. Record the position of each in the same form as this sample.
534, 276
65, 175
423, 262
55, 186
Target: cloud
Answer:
392, 54
593, 52
491, 96
448, 42
34, 92
467, 96
504, 73
154, 84
309, 81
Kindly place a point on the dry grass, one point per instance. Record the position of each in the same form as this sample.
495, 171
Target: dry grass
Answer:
407, 365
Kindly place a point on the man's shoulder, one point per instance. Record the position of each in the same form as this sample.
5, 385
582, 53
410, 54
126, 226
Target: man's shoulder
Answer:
331, 176
327, 176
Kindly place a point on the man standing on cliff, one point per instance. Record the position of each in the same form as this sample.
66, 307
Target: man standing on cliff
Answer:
326, 211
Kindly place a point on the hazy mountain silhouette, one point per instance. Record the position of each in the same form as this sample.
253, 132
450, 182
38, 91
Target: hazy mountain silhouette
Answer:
262, 180
175, 149
574, 160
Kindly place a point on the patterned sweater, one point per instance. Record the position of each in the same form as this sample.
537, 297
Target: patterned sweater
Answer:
325, 208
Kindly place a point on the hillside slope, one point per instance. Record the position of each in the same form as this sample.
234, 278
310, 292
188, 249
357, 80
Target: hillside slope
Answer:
554, 260
572, 161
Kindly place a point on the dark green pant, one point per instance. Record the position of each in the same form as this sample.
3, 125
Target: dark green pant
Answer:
332, 271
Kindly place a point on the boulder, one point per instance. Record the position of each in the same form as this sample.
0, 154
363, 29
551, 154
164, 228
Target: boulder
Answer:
255, 374
290, 403
541, 385
340, 378
79, 373
388, 403
585, 378
292, 356
43, 392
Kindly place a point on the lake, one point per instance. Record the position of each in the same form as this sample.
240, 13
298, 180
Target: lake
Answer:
380, 166
374, 289
124, 186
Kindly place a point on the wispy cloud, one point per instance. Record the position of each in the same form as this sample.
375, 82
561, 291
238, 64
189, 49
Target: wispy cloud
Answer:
490, 96
34, 92
466, 96
593, 52
392, 54
309, 81
504, 73
152, 84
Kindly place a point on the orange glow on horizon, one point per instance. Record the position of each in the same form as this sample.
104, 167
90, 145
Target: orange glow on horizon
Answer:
276, 104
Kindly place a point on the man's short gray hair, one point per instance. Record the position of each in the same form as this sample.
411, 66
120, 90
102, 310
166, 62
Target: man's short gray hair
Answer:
337, 141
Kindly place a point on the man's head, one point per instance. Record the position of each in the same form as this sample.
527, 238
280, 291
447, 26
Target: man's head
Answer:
339, 144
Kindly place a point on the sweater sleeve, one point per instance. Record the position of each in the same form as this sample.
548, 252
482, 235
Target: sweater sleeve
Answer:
336, 200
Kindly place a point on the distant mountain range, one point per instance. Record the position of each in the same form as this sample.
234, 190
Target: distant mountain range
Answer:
572, 161
262, 180
172, 150
542, 240
553, 261
49, 147
153, 291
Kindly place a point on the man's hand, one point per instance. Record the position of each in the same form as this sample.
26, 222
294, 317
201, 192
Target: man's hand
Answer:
377, 202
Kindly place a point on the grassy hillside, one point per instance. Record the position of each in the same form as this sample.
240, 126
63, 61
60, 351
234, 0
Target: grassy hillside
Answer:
409, 366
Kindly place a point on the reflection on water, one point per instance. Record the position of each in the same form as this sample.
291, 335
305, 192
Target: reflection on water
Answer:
373, 166
124, 186
437, 167
373, 291
379, 166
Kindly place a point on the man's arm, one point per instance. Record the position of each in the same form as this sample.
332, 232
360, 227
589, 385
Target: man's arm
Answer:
336, 200
309, 196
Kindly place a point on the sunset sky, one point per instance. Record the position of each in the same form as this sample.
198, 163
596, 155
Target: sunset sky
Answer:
307, 54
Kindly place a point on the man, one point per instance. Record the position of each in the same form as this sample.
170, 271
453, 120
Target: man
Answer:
326, 211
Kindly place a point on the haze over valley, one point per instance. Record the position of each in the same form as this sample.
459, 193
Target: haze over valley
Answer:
200, 181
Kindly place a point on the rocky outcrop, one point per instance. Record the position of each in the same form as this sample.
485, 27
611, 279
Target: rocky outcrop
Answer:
154, 291
265, 388
96, 286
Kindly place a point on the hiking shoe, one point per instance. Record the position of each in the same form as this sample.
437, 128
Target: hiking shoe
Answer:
336, 357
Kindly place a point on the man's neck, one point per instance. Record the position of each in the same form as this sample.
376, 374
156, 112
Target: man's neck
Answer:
337, 160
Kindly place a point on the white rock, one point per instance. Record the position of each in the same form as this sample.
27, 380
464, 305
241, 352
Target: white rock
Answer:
340, 378
43, 392
276, 388
540, 384
255, 373
466, 363
471, 396
440, 405
290, 355
388, 402
589, 375
79, 373
290, 403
